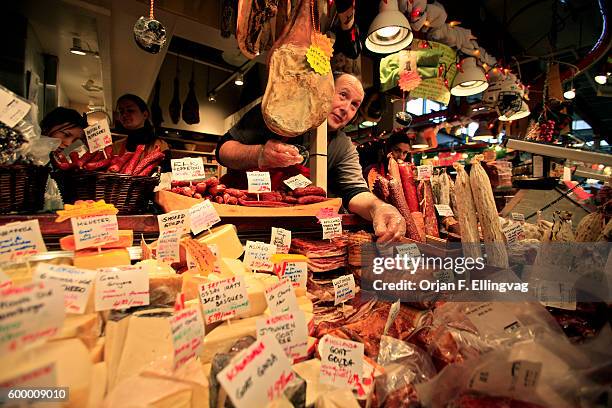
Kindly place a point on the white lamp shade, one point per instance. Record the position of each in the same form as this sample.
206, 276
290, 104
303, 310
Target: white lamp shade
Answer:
390, 31
483, 132
471, 80
520, 114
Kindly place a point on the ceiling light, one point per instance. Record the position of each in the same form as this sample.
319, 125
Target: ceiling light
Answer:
520, 114
212, 98
569, 94
239, 79
420, 142
601, 79
77, 49
390, 31
483, 132
367, 124
470, 79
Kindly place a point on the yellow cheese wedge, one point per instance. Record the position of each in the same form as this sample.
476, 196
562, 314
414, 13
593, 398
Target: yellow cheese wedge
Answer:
86, 327
231, 267
97, 390
147, 392
226, 238
92, 259
72, 366
96, 353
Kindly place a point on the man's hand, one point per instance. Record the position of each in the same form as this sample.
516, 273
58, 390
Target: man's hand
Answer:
277, 154
389, 225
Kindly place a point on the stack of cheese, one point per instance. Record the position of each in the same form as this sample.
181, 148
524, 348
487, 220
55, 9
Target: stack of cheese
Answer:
112, 254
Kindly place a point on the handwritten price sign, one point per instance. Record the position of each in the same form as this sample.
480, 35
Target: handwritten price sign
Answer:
98, 136
94, 231
224, 299
187, 330
121, 288
290, 330
76, 284
341, 361
282, 239
259, 181
257, 256
188, 168
344, 288
281, 298
19, 240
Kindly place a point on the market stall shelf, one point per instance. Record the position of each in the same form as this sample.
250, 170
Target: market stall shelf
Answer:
170, 202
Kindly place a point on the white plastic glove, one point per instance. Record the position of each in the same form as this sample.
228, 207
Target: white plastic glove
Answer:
389, 225
278, 154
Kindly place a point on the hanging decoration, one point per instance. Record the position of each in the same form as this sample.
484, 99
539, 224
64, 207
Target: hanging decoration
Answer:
150, 34
409, 80
320, 51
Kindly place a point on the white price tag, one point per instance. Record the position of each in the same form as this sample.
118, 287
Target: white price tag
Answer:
412, 250
187, 328
424, 172
12, 109
296, 272
444, 210
291, 331
493, 318
344, 288
94, 231
76, 284
514, 233
187, 168
121, 287
18, 240
224, 299
332, 227
538, 166
517, 217
393, 311
281, 298
298, 181
202, 216
567, 174
282, 239
168, 246
31, 314
259, 182
257, 375
257, 256
174, 219
341, 361
98, 136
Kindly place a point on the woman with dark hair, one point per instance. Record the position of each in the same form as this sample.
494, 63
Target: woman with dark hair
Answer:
133, 120
64, 124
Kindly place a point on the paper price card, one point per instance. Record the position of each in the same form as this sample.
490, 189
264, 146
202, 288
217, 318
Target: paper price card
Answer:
98, 136
121, 287
94, 231
12, 109
393, 311
187, 328
281, 298
200, 255
298, 181
257, 256
412, 250
19, 240
168, 247
517, 217
257, 375
514, 233
202, 216
76, 284
332, 227
259, 181
42, 375
344, 288
290, 330
29, 315
493, 318
444, 210
424, 172
175, 219
295, 272
341, 361
187, 168
282, 239
567, 174
224, 299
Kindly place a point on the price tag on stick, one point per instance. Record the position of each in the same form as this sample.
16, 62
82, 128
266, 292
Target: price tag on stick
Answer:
332, 227
202, 217
187, 328
282, 239
94, 231
224, 299
98, 136
19, 240
298, 181
259, 182
341, 361
187, 169
76, 284
121, 287
344, 288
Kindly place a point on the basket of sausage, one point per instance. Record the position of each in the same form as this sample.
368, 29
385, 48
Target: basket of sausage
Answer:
125, 180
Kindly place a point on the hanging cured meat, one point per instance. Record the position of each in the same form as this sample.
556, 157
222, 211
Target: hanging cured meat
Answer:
191, 107
297, 98
253, 30
175, 103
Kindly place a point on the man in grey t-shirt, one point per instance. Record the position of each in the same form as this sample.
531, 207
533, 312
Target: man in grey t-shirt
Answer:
250, 145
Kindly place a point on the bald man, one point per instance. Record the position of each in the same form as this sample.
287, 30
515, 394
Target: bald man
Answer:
250, 145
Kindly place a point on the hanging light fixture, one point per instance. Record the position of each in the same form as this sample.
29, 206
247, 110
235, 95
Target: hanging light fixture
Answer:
78, 49
601, 78
390, 31
571, 92
523, 112
420, 142
239, 79
483, 132
470, 79
212, 98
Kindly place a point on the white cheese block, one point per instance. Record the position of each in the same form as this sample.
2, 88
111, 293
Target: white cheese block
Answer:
86, 327
226, 238
97, 390
72, 366
116, 330
231, 267
96, 353
148, 338
146, 392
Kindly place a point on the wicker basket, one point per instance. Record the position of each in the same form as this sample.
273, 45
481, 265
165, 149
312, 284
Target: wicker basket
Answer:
22, 188
129, 194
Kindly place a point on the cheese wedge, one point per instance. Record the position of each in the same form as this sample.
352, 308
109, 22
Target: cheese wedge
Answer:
226, 238
231, 267
92, 259
86, 327
72, 367
97, 390
96, 353
126, 239
116, 331
164, 282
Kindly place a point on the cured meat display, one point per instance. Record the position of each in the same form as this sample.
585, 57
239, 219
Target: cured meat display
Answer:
253, 30
297, 98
